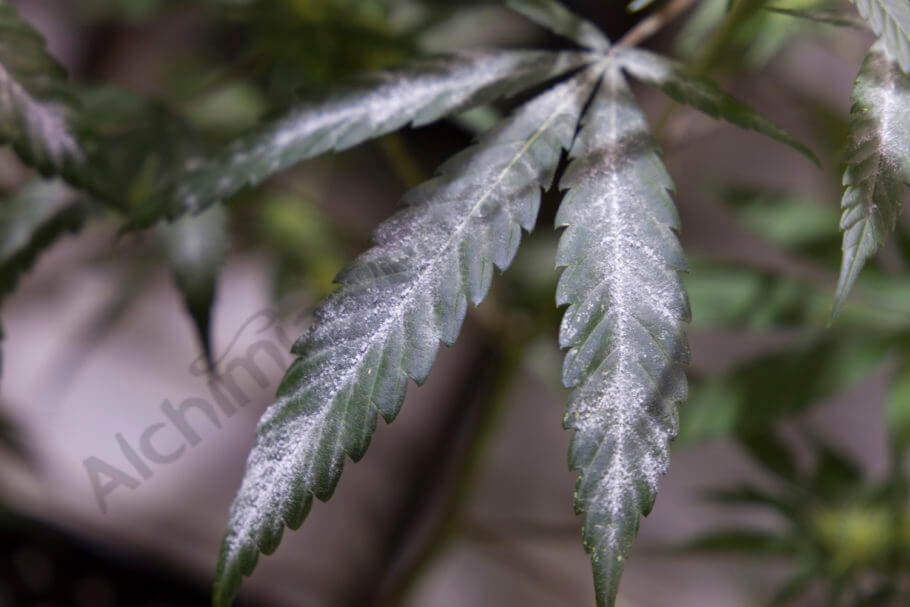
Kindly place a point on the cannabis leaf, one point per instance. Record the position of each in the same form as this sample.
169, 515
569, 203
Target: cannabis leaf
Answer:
36, 109
890, 19
30, 221
878, 164
623, 326
384, 324
195, 246
418, 94
671, 77
554, 16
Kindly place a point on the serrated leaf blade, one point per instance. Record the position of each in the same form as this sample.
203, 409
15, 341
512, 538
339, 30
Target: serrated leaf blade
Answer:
552, 15
35, 108
624, 326
384, 324
418, 94
890, 19
878, 164
704, 95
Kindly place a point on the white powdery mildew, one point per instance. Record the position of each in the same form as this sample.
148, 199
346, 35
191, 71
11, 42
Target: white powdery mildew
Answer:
624, 323
878, 163
416, 95
396, 303
40, 127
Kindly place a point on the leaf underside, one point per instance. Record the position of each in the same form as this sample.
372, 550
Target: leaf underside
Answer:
878, 164
384, 324
624, 326
417, 95
890, 19
35, 109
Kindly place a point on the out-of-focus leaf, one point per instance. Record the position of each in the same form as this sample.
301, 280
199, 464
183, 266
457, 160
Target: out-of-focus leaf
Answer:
897, 404
195, 247
754, 40
308, 243
671, 77
416, 95
742, 541
828, 17
771, 453
554, 16
752, 397
878, 164
755, 498
147, 142
890, 19
624, 325
37, 112
835, 473
384, 324
792, 221
30, 221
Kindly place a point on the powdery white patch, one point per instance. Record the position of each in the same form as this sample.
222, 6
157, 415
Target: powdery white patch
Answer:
624, 326
878, 163
419, 94
383, 326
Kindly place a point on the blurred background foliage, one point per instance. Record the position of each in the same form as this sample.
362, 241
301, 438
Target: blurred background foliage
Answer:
218, 67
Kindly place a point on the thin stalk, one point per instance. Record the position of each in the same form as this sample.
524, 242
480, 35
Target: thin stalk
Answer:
655, 22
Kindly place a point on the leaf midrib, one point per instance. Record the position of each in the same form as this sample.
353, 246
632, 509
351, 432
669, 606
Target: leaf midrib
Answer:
425, 270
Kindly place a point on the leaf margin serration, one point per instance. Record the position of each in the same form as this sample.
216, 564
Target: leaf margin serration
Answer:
238, 558
608, 563
464, 80
874, 213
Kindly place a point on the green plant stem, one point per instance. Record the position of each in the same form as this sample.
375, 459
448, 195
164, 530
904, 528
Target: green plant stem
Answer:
716, 46
468, 474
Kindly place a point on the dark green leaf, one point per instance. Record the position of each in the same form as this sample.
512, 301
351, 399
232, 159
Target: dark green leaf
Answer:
30, 221
897, 404
384, 324
878, 164
752, 497
552, 15
671, 77
624, 324
771, 453
416, 95
746, 542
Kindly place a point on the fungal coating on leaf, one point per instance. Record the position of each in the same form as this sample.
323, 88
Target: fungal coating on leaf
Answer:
383, 325
34, 108
624, 325
417, 94
878, 164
